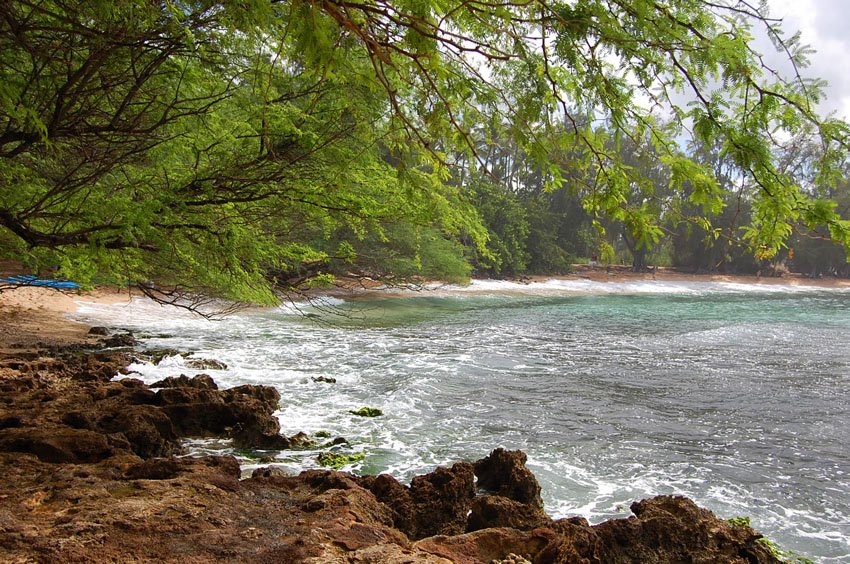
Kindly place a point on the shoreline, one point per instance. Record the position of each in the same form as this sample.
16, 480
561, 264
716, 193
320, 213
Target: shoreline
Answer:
31, 315
349, 287
91, 470
664, 274
44, 314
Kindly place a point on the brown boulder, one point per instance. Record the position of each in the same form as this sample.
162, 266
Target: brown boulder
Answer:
245, 413
488, 545
256, 426
396, 496
267, 395
148, 430
443, 499
187, 395
434, 504
199, 381
57, 445
492, 511
675, 529
580, 544
504, 473
200, 419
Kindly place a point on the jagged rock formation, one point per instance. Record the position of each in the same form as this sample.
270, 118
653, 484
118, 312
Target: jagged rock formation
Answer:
89, 474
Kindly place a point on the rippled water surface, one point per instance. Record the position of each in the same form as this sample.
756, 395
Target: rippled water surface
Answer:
735, 396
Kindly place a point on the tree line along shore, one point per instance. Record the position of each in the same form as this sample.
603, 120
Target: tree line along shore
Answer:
241, 149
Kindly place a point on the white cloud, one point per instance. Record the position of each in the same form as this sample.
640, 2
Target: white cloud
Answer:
824, 25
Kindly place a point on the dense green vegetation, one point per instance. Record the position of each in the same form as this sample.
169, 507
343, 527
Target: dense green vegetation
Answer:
237, 148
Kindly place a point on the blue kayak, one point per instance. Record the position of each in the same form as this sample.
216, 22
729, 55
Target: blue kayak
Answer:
30, 280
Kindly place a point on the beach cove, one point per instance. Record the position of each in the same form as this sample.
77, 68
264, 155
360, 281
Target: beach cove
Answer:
583, 416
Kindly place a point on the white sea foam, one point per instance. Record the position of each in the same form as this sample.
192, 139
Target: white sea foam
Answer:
625, 287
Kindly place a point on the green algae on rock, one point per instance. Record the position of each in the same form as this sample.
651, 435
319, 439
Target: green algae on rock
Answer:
367, 412
337, 460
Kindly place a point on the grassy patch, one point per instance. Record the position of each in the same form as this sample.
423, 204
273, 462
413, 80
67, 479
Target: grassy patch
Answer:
739, 521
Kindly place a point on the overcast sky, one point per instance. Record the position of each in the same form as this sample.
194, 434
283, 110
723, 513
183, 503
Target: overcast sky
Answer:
825, 25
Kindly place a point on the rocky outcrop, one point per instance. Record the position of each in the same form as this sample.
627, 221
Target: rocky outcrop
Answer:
90, 475
148, 431
433, 504
504, 473
245, 414
93, 418
203, 381
539, 546
57, 445
489, 511
83, 362
513, 494
674, 529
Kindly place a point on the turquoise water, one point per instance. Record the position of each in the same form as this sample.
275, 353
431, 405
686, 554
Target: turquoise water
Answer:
736, 397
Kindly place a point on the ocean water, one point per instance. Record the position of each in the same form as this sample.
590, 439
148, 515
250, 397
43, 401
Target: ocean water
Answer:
736, 396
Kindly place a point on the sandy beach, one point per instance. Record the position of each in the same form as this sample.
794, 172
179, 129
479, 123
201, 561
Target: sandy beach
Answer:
33, 314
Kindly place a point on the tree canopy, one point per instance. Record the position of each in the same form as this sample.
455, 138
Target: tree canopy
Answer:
226, 147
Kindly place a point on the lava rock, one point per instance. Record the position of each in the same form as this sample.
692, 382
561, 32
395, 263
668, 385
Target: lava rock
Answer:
203, 381
148, 430
490, 511
77, 420
154, 469
268, 395
57, 445
205, 364
504, 473
674, 529
11, 422
268, 472
434, 504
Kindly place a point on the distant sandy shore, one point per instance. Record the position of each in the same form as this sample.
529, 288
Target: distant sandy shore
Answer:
624, 273
612, 274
